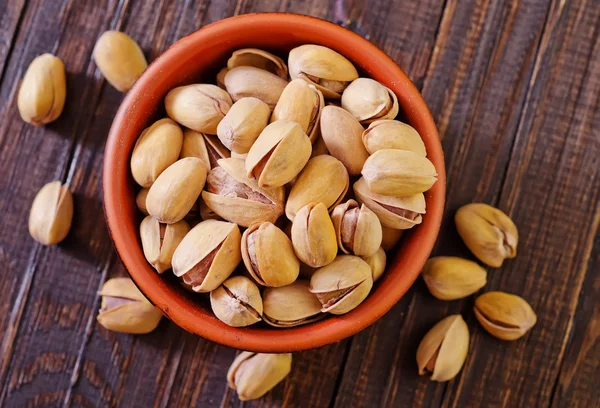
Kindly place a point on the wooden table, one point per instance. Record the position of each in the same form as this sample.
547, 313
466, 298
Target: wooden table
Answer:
515, 89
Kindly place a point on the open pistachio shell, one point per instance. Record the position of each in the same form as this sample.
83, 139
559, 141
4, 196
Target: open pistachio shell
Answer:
243, 123
246, 81
254, 57
358, 229
237, 302
505, 316
208, 254
291, 305
392, 134
368, 100
376, 263
51, 213
252, 375
313, 235
159, 241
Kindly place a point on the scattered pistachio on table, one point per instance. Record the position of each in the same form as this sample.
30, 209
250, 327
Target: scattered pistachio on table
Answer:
505, 316
120, 59
51, 213
252, 375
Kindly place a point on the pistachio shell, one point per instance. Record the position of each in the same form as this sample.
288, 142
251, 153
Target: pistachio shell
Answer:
390, 237
254, 57
269, 255
140, 200
505, 316
358, 230
324, 179
488, 232
443, 350
237, 198
393, 212
237, 302
255, 374
208, 254
216, 150
279, 154
120, 59
51, 213
159, 241
221, 77
313, 235
368, 100
194, 145
176, 190
451, 278
342, 285
398, 173
392, 134
246, 81
199, 107
43, 90
301, 103
291, 305
376, 263
243, 123
156, 149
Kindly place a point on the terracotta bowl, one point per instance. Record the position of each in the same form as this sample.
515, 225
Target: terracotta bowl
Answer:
197, 58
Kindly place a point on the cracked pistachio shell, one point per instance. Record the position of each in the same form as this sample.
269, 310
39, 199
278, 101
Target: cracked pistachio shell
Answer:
291, 305
242, 82
392, 134
156, 149
159, 241
279, 154
398, 173
301, 103
342, 135
237, 198
43, 90
505, 316
393, 212
254, 57
176, 190
51, 213
252, 375
124, 309
313, 235
451, 278
357, 228
443, 350
243, 123
390, 237
376, 263
269, 255
194, 145
237, 302
324, 179
368, 100
488, 232
140, 200
342, 285
120, 59
208, 254
329, 71
199, 107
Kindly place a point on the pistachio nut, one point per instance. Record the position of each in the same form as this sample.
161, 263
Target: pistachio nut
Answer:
279, 154
451, 278
342, 285
398, 173
120, 59
43, 90
393, 212
156, 149
208, 254
342, 135
390, 237
443, 351
505, 316
199, 107
291, 305
159, 241
252, 375
140, 200
376, 263
319, 147
254, 57
237, 302
221, 77
324, 179
301, 103
392, 134
269, 255
194, 145
245, 81
357, 228
329, 71
488, 232
313, 235
368, 100
51, 213
243, 123
176, 190
124, 309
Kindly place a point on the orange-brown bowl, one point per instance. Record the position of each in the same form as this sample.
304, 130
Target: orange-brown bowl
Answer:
197, 58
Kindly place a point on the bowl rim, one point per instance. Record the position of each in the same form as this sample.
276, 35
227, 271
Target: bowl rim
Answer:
301, 337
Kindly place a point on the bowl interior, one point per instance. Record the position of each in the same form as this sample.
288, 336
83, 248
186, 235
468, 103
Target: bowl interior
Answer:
197, 58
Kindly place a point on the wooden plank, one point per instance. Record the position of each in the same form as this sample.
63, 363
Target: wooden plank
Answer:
9, 21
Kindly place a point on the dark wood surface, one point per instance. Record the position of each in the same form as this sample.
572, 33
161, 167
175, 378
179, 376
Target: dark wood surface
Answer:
515, 89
